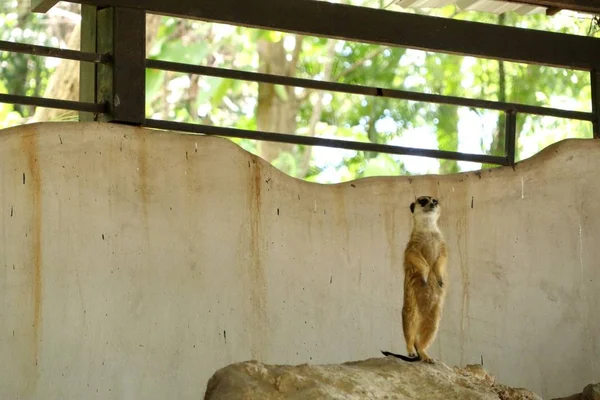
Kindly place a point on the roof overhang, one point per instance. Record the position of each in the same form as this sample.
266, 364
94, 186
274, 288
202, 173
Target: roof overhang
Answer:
520, 6
523, 7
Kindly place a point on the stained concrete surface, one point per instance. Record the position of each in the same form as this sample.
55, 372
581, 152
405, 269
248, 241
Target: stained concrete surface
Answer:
135, 263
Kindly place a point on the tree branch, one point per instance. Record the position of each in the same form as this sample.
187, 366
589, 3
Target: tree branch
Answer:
360, 63
317, 110
292, 66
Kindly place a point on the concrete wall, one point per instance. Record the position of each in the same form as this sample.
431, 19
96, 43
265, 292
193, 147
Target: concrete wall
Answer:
133, 264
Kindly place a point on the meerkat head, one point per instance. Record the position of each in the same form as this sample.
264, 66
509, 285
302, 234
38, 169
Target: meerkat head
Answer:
425, 210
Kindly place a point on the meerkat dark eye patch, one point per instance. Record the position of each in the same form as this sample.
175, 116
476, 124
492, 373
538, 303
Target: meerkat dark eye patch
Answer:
435, 202
423, 201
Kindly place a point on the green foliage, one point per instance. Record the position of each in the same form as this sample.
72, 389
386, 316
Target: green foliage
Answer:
8, 117
20, 73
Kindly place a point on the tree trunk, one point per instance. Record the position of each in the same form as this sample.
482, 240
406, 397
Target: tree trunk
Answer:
498, 144
277, 108
497, 147
317, 111
63, 85
447, 135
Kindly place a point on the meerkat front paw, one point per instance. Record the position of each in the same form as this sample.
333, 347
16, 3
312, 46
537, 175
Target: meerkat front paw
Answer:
440, 283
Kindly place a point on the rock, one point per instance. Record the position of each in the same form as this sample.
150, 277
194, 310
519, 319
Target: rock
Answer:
376, 378
590, 392
572, 397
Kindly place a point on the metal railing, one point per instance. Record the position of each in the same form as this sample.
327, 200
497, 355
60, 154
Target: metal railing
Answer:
113, 65
58, 53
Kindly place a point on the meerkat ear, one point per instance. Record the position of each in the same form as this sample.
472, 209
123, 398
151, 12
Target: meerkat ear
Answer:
412, 207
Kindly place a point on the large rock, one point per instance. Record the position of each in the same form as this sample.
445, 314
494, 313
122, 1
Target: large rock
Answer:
377, 378
590, 392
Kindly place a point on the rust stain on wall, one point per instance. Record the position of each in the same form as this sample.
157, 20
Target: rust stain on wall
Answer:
396, 262
462, 224
29, 145
256, 273
143, 172
341, 220
389, 222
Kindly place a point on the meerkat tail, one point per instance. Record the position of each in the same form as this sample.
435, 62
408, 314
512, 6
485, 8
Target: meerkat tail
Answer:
400, 356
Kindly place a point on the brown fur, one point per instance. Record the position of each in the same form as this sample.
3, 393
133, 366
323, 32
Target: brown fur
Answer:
425, 280
425, 260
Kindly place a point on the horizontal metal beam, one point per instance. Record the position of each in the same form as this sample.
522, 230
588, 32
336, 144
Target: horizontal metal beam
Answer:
587, 6
52, 103
52, 52
366, 90
42, 6
316, 141
321, 18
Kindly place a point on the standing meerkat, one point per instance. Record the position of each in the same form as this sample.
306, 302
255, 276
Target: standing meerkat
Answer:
425, 283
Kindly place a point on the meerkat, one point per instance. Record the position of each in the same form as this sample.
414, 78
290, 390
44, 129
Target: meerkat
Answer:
425, 280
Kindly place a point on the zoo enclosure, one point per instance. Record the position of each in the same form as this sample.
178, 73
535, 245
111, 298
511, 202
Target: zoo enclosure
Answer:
113, 61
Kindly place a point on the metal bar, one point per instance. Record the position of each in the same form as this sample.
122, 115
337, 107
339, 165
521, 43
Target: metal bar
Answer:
316, 141
595, 84
52, 103
104, 72
87, 71
340, 21
122, 33
510, 140
365, 90
52, 52
587, 6
42, 6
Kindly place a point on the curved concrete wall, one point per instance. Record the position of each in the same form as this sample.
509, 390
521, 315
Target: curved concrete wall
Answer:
135, 263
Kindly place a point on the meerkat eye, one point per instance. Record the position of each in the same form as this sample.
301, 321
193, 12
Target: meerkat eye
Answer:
423, 202
435, 202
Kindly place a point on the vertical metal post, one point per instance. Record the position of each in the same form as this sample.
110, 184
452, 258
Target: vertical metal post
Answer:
511, 137
121, 33
87, 71
595, 81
